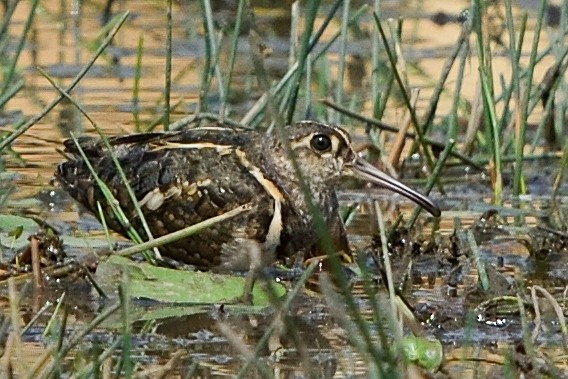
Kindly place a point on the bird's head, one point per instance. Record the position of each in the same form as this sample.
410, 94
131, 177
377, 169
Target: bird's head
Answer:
324, 154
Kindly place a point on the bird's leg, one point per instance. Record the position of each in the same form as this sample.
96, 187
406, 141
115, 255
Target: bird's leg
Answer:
242, 254
254, 252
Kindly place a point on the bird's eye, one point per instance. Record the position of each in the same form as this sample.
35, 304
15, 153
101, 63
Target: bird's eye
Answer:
321, 142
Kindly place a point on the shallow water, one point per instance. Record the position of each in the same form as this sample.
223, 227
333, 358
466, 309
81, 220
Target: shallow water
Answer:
62, 38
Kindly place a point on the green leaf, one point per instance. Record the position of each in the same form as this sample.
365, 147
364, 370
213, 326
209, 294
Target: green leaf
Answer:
29, 202
85, 242
15, 230
426, 353
176, 286
10, 222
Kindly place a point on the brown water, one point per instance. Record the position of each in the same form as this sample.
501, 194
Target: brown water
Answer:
63, 37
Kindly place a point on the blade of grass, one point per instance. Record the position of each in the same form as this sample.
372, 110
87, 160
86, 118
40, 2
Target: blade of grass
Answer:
375, 62
52, 319
462, 54
212, 53
91, 369
119, 169
461, 45
11, 92
260, 104
308, 89
395, 32
561, 171
75, 337
232, 58
104, 223
158, 119
182, 233
126, 365
479, 264
261, 345
342, 55
557, 310
378, 359
369, 286
403, 90
294, 33
388, 270
257, 58
36, 317
34, 120
493, 135
60, 336
393, 129
527, 344
520, 130
14, 302
546, 115
136, 87
310, 17
324, 85
397, 144
547, 90
440, 164
559, 66
109, 197
7, 20
515, 50
487, 96
237, 342
21, 43
168, 73
474, 120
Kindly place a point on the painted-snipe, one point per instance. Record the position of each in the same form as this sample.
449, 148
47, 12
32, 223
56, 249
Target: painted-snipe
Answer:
184, 177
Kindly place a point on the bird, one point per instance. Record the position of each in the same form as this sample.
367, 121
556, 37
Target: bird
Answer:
182, 177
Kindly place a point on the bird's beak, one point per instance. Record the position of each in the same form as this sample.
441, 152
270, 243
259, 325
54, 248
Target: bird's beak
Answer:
364, 170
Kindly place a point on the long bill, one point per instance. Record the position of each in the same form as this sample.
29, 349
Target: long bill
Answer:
366, 171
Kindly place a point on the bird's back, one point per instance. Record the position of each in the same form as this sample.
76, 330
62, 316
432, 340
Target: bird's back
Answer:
179, 179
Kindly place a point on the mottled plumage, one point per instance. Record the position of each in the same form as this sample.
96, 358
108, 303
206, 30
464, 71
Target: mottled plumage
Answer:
184, 177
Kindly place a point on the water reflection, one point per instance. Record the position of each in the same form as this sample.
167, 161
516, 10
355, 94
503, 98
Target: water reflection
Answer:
62, 40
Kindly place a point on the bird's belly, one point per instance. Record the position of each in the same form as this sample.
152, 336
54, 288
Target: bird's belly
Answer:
213, 246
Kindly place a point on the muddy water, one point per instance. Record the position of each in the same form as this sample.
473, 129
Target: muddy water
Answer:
62, 40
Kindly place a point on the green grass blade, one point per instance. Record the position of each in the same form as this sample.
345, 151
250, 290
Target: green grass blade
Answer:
310, 17
232, 58
182, 233
520, 131
168, 73
12, 68
34, 120
136, 86
342, 55
403, 90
